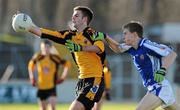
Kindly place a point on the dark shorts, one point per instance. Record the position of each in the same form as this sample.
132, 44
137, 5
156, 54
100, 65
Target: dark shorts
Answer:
89, 91
45, 94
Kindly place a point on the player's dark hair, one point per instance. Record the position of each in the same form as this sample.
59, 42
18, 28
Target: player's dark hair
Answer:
47, 42
87, 12
134, 26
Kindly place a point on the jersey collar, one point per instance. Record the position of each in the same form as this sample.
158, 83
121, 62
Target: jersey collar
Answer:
141, 41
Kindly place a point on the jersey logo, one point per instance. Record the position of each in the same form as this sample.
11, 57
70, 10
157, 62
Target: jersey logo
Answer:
94, 89
85, 41
142, 57
46, 70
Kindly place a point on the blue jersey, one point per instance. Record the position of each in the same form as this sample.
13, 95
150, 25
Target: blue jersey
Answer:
147, 58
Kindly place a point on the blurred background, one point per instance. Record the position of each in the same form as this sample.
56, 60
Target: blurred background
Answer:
160, 18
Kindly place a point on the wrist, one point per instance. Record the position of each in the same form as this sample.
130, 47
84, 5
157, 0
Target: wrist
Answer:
77, 48
163, 68
32, 79
59, 81
162, 71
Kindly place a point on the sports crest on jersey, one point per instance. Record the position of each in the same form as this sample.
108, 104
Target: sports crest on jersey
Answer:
94, 89
142, 57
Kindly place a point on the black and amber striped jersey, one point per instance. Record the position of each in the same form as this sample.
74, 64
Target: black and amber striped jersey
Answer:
47, 69
90, 64
107, 75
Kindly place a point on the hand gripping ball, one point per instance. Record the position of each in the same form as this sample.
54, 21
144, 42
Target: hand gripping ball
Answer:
21, 22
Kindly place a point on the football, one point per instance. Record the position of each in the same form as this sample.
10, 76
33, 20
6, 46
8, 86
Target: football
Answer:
21, 22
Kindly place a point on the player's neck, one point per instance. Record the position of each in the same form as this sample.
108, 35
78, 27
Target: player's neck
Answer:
136, 43
81, 28
45, 53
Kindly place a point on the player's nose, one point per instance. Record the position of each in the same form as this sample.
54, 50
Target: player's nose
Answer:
73, 18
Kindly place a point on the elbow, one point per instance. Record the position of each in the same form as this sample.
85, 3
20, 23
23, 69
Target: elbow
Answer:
175, 54
117, 51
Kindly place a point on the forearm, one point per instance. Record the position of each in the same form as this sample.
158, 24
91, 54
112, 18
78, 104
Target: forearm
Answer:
92, 48
31, 75
113, 44
31, 68
168, 60
65, 72
36, 31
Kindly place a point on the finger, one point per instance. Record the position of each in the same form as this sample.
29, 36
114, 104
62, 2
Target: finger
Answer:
17, 12
155, 77
162, 78
68, 41
13, 16
159, 78
67, 44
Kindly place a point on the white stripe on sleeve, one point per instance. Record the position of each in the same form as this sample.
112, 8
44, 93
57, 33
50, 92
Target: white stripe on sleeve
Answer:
124, 47
160, 49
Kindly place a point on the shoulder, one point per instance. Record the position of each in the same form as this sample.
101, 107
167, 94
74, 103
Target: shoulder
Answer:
73, 32
152, 45
36, 55
158, 48
55, 58
148, 42
93, 31
90, 30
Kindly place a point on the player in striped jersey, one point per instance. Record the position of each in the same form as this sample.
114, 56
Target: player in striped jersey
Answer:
151, 60
88, 53
43, 74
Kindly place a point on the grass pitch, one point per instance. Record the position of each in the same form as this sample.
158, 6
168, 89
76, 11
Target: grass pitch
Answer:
106, 106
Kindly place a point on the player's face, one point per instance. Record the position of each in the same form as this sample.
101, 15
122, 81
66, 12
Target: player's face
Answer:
128, 37
77, 19
45, 49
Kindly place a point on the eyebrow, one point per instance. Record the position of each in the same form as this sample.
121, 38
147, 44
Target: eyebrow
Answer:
76, 14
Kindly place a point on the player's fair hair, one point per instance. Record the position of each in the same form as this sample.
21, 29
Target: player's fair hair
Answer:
87, 12
134, 26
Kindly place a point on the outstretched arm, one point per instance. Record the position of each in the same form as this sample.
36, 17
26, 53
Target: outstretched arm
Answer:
22, 22
98, 47
115, 46
166, 62
35, 30
66, 68
169, 59
31, 68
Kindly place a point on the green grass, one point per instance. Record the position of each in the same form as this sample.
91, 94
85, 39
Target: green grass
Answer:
106, 106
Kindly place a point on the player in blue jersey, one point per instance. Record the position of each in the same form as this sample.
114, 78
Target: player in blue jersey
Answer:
151, 60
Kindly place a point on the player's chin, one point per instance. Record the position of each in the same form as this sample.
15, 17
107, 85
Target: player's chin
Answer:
75, 26
127, 42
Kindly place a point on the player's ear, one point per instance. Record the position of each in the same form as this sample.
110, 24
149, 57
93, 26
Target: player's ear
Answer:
135, 34
85, 19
